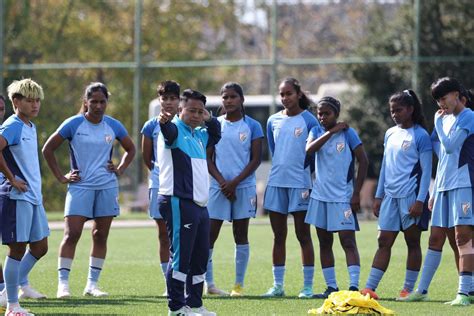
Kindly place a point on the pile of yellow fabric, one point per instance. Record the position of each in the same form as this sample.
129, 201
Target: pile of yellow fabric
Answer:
350, 302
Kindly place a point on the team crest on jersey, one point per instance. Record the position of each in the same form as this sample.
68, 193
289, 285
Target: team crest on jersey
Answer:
298, 131
243, 137
108, 138
466, 207
406, 144
340, 146
348, 213
305, 194
253, 201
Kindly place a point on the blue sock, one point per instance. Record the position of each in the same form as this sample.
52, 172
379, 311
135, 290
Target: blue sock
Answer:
278, 275
242, 253
27, 263
374, 278
64, 268
95, 267
210, 272
330, 277
308, 275
354, 274
164, 268
410, 279
465, 283
12, 277
2, 286
432, 260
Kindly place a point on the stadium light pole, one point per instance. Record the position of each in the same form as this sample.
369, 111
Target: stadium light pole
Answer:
1, 46
274, 57
416, 47
137, 78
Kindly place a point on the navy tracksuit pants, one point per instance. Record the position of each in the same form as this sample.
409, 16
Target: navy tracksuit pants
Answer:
188, 230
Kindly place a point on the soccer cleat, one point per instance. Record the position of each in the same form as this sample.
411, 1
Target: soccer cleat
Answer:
371, 293
213, 290
416, 296
183, 311
63, 291
326, 293
306, 292
94, 292
18, 311
460, 300
28, 292
202, 311
403, 296
238, 290
3, 298
275, 291
353, 288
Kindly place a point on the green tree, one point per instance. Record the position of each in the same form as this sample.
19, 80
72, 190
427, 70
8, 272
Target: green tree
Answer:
446, 29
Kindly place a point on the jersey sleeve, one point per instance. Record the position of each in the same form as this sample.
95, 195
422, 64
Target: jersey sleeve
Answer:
310, 120
118, 128
423, 141
256, 129
11, 132
352, 138
271, 141
314, 133
148, 128
69, 127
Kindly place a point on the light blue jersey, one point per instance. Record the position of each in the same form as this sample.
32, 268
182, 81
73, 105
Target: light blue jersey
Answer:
232, 153
334, 166
151, 130
456, 149
406, 164
91, 147
287, 142
21, 156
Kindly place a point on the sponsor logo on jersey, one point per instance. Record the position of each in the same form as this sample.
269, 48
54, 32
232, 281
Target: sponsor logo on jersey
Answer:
406, 145
340, 146
298, 131
81, 134
243, 137
466, 207
187, 226
348, 213
108, 138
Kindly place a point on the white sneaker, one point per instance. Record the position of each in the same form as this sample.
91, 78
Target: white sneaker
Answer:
18, 311
214, 290
95, 292
203, 311
183, 311
3, 298
28, 292
63, 291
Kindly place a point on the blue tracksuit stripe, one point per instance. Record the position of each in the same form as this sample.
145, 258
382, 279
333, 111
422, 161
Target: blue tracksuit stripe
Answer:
176, 214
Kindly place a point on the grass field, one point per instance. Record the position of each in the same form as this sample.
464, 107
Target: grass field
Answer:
133, 277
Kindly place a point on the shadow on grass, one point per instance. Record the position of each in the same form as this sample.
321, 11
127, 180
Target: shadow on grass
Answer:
81, 303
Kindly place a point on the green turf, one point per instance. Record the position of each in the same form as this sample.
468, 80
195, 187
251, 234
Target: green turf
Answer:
132, 276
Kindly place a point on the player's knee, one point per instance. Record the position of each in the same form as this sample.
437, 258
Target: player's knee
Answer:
304, 239
384, 242
72, 236
436, 241
99, 235
348, 243
464, 242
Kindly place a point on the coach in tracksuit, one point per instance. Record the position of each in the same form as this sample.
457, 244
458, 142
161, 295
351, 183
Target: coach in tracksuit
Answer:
184, 192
